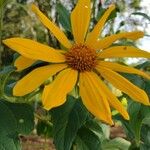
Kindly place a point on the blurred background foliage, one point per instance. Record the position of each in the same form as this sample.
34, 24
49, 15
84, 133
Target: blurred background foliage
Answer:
17, 20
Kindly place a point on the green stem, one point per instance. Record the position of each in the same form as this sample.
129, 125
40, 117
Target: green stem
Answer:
43, 119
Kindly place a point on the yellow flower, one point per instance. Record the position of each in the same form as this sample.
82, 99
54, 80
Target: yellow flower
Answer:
82, 64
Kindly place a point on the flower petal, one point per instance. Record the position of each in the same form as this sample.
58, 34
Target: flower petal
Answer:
23, 63
93, 97
114, 102
94, 34
61, 37
34, 50
121, 68
123, 51
55, 93
107, 41
80, 18
35, 78
124, 85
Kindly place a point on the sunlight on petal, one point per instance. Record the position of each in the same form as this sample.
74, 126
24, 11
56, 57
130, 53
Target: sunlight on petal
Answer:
22, 63
93, 36
52, 27
113, 101
122, 68
35, 78
34, 50
93, 97
107, 41
80, 18
55, 93
124, 85
123, 51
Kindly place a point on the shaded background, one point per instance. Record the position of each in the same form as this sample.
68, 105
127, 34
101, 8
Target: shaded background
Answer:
17, 20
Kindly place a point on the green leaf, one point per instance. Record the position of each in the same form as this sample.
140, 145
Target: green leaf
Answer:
24, 117
147, 87
135, 79
79, 144
144, 65
116, 144
15, 119
145, 138
146, 120
4, 76
7, 143
94, 125
8, 123
87, 140
6, 70
142, 14
102, 11
67, 119
135, 120
64, 17
139, 115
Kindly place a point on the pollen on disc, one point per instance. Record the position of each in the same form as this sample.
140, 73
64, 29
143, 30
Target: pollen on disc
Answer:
81, 57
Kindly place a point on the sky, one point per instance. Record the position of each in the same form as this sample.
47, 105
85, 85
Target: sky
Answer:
144, 43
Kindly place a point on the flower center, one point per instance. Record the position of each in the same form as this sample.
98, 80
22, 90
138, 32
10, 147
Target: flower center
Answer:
81, 57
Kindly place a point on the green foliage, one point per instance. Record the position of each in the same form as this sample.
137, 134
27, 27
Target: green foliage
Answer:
139, 114
64, 17
145, 137
116, 144
15, 119
4, 74
87, 140
102, 11
71, 125
44, 129
67, 120
74, 128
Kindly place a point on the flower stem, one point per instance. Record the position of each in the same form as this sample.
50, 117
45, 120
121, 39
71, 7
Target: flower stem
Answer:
43, 119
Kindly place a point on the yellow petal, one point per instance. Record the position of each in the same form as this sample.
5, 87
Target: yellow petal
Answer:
123, 51
34, 50
113, 101
35, 78
124, 85
121, 68
94, 34
55, 93
23, 63
80, 18
93, 96
61, 37
107, 41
